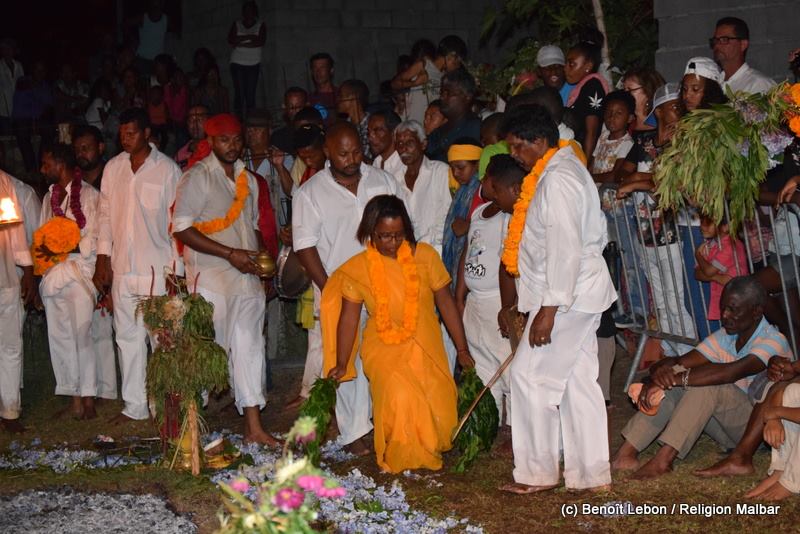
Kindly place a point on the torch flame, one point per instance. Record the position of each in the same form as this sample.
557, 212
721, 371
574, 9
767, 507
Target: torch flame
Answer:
8, 212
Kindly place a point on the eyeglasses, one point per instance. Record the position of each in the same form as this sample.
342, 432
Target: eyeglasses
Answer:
723, 40
387, 238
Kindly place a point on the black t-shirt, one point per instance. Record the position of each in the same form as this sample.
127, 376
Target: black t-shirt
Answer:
777, 176
589, 103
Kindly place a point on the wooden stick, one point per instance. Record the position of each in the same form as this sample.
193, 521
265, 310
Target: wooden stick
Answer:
486, 388
193, 435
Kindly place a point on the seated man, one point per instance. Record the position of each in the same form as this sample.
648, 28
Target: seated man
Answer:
724, 363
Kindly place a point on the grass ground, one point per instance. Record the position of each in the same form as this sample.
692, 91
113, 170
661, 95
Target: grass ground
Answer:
473, 495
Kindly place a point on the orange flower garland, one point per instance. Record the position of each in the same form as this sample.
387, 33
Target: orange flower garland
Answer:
510, 256
380, 289
217, 225
794, 118
52, 242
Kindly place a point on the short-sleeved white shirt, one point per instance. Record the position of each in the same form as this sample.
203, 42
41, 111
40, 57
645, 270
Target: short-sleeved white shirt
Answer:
484, 249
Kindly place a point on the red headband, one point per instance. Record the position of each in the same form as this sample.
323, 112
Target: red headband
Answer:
222, 124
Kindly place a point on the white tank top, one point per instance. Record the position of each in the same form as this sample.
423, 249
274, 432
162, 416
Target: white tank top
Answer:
151, 37
242, 55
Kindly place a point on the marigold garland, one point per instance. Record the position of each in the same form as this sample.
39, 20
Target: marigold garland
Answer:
389, 334
52, 242
510, 256
217, 225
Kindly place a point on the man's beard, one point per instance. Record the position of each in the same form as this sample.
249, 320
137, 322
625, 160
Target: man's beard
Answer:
87, 165
228, 157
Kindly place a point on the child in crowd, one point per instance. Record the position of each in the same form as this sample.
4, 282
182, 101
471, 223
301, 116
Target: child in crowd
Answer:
614, 143
720, 258
477, 287
586, 99
433, 117
463, 157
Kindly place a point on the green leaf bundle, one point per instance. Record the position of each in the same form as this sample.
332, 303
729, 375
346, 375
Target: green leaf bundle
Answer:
319, 405
480, 429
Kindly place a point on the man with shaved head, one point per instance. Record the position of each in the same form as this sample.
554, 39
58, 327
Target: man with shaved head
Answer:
326, 212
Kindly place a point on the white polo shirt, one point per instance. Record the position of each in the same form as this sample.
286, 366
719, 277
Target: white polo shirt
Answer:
749, 80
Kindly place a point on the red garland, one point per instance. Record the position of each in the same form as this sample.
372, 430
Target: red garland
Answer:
74, 201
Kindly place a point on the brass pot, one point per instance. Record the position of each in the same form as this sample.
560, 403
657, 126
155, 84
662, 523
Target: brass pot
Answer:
266, 263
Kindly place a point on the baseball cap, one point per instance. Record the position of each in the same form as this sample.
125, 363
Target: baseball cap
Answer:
705, 67
665, 93
550, 55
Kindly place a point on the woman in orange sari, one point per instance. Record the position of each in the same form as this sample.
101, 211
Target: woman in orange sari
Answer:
400, 282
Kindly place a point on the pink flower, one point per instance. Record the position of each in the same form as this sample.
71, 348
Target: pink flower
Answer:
331, 493
311, 482
240, 484
288, 499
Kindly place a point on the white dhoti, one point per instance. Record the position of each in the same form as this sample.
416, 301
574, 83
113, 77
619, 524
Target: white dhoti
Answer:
68, 297
787, 457
10, 351
131, 337
354, 401
103, 340
313, 366
449, 348
487, 346
554, 391
238, 328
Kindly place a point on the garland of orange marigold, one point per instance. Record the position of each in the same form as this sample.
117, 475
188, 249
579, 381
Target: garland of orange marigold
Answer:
217, 225
52, 242
510, 256
794, 117
388, 333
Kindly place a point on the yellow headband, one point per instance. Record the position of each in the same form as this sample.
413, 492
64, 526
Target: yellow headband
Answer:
464, 153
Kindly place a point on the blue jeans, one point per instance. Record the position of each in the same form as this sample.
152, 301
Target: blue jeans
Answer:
691, 238
245, 82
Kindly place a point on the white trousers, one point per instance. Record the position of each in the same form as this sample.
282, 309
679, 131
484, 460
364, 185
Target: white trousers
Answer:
10, 351
103, 340
354, 406
554, 392
787, 457
239, 329
487, 346
131, 337
69, 314
664, 271
313, 367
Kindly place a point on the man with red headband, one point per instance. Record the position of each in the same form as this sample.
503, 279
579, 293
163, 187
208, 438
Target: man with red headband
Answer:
216, 218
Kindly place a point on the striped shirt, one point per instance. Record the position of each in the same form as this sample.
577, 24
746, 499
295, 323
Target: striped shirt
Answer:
766, 342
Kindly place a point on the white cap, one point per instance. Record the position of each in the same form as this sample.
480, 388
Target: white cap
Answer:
550, 55
666, 93
705, 67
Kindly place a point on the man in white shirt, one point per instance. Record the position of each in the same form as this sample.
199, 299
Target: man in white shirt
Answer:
425, 183
564, 286
380, 131
219, 262
326, 212
10, 71
66, 288
14, 252
134, 246
730, 42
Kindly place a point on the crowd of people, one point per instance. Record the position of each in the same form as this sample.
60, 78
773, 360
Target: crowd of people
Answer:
437, 235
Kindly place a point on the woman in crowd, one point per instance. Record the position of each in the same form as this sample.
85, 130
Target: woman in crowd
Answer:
211, 93
246, 36
400, 282
586, 99
422, 78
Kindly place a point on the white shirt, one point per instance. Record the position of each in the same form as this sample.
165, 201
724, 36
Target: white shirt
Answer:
205, 193
326, 215
8, 84
749, 80
151, 36
561, 256
247, 55
31, 206
484, 248
393, 164
14, 249
608, 151
565, 132
429, 202
277, 197
134, 222
92, 115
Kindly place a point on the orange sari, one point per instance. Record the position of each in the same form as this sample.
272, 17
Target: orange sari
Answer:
413, 392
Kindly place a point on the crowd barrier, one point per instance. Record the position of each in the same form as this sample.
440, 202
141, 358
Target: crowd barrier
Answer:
651, 256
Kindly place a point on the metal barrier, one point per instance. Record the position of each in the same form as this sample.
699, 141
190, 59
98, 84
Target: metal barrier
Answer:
656, 263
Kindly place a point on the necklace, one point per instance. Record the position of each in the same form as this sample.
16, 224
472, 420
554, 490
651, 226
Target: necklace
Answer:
388, 333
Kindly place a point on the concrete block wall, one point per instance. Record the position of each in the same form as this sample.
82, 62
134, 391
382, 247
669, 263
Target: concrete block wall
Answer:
364, 36
684, 27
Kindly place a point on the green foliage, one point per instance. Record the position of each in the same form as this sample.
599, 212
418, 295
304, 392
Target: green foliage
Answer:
186, 360
720, 153
319, 405
480, 429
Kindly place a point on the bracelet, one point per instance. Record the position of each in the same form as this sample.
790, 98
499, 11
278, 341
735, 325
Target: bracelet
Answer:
685, 380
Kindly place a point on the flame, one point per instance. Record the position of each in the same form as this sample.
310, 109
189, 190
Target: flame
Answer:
8, 212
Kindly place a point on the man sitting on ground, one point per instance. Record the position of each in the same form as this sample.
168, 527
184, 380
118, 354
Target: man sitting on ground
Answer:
725, 362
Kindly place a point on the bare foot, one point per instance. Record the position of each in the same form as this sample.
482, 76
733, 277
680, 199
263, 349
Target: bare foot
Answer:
764, 485
88, 408
259, 436
120, 419
74, 409
776, 492
295, 403
505, 447
626, 459
12, 425
727, 467
651, 470
524, 489
358, 447
605, 488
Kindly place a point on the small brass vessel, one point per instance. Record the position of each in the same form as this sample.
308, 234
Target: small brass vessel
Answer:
266, 263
